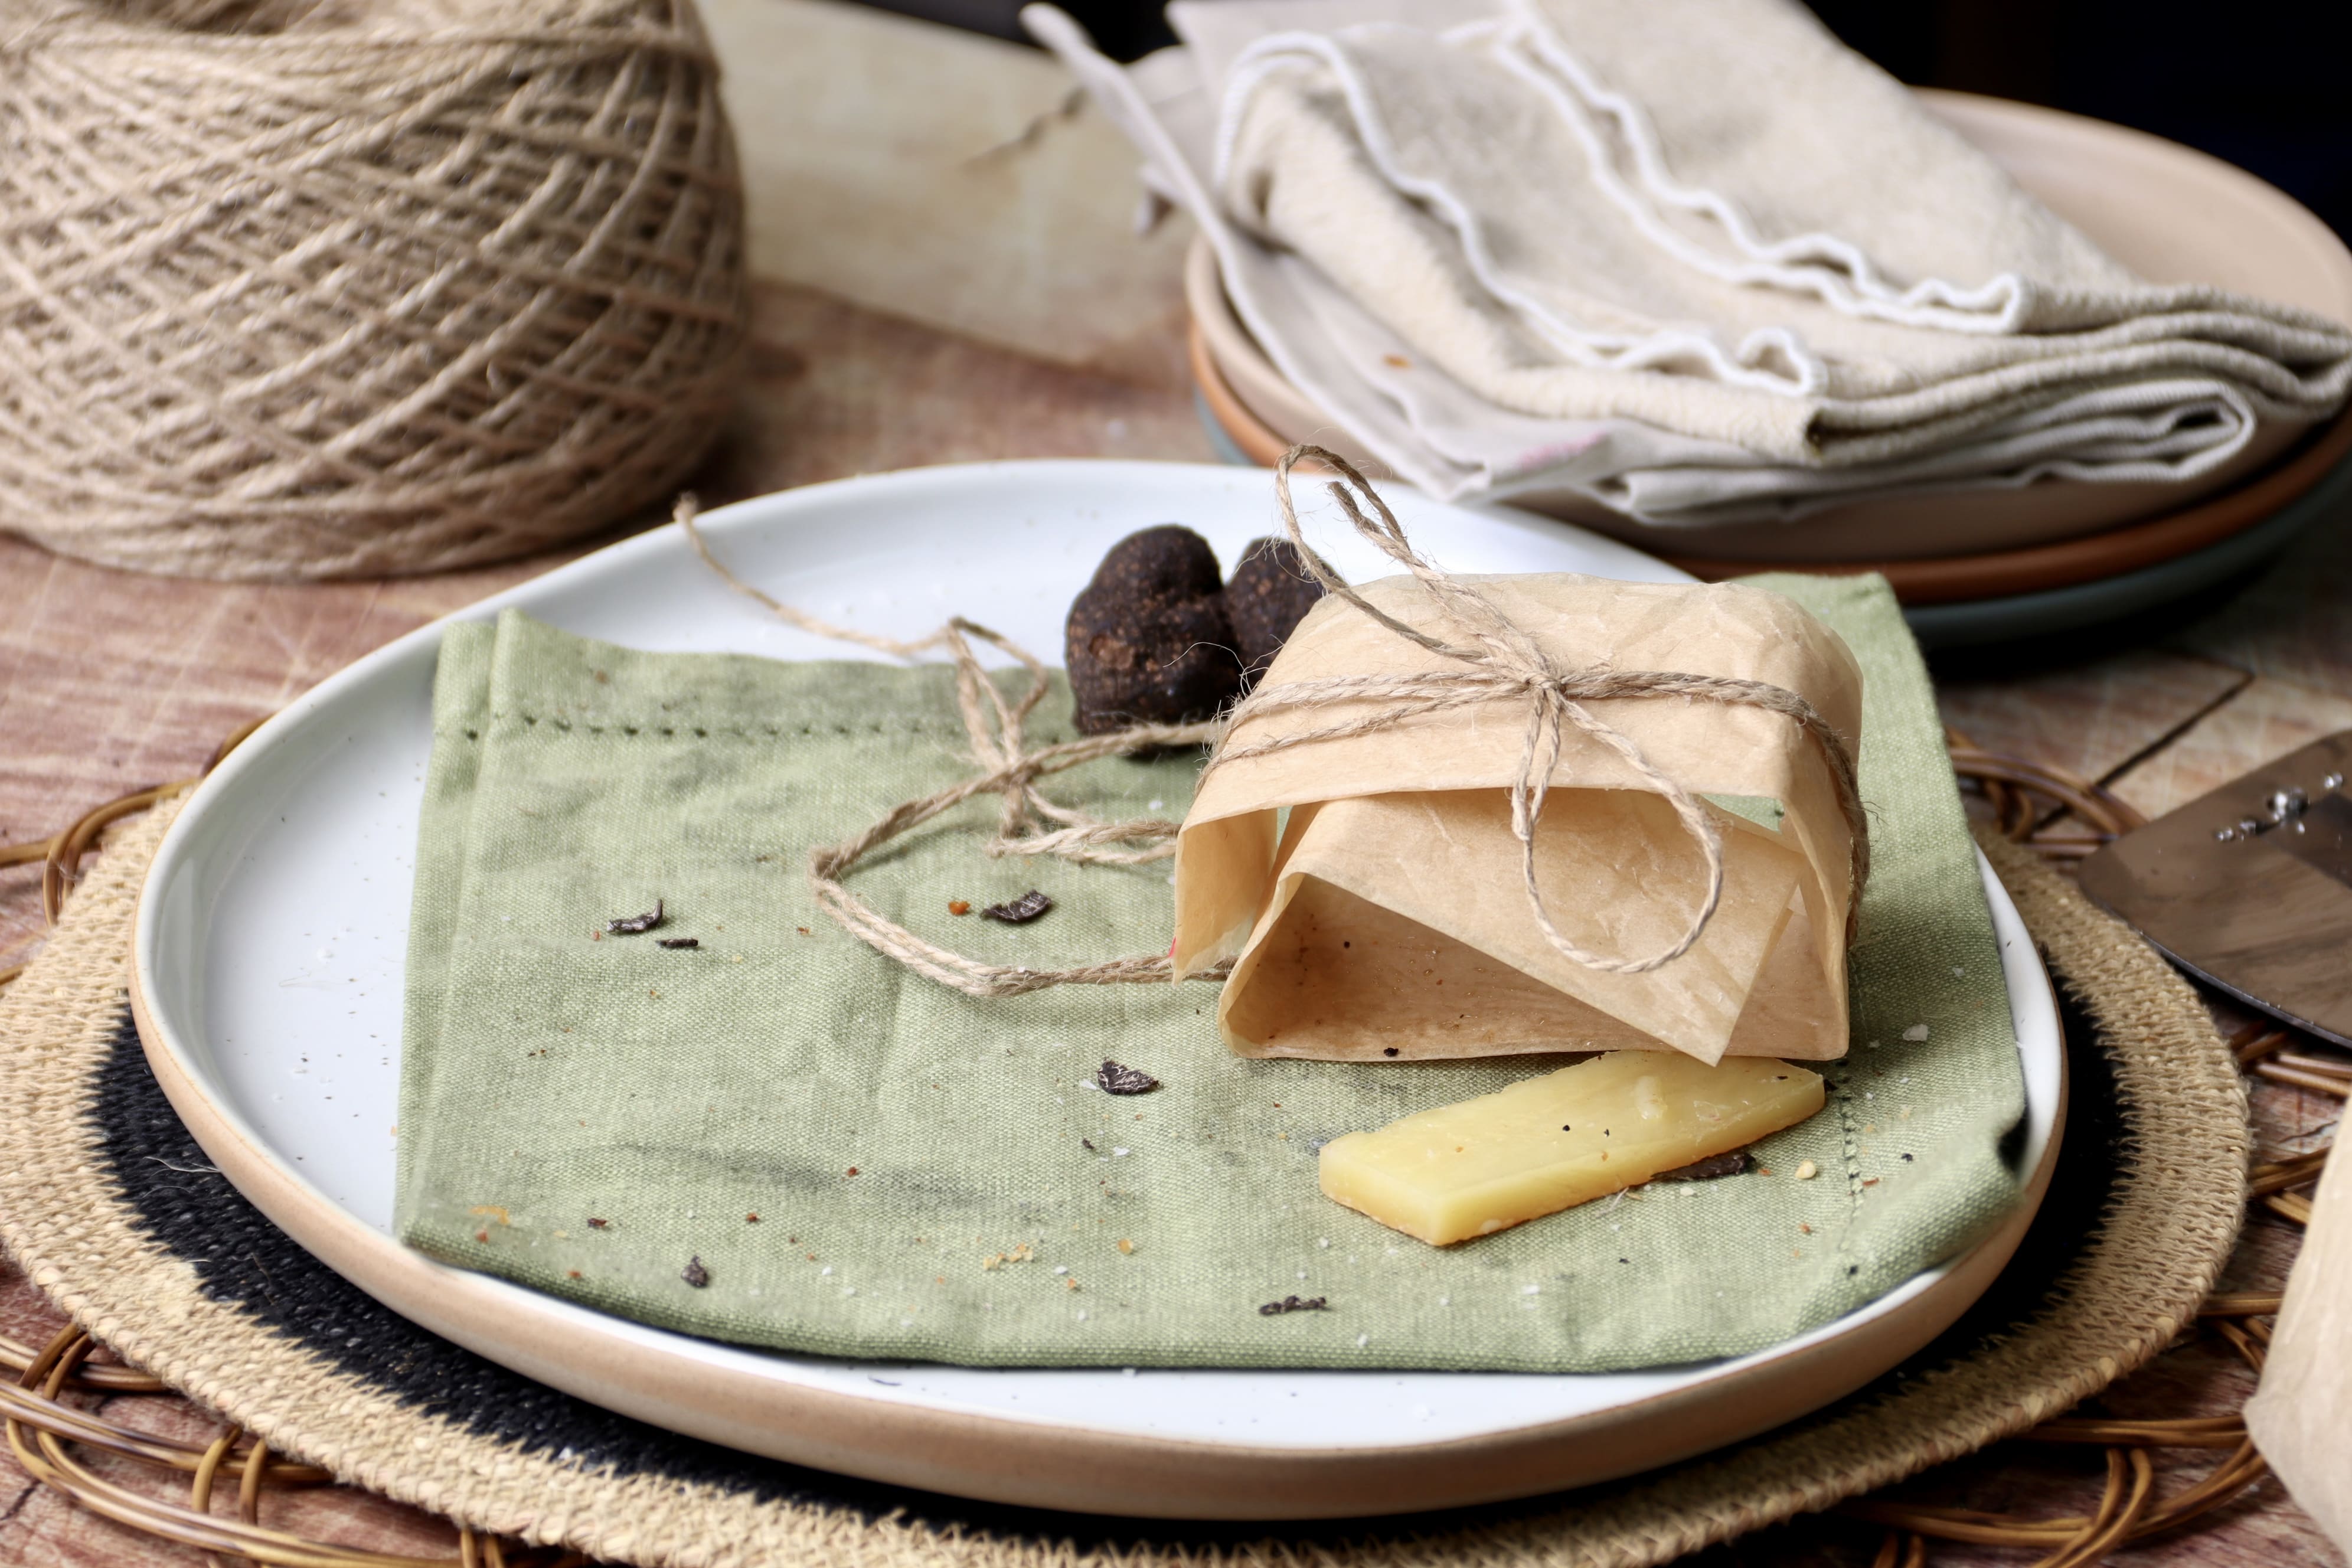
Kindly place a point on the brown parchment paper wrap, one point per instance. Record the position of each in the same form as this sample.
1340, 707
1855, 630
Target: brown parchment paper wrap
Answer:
1387, 914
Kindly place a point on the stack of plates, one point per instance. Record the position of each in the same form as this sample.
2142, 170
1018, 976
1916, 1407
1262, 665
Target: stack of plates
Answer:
1981, 565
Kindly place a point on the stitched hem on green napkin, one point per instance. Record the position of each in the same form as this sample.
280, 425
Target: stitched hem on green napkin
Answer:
779, 1137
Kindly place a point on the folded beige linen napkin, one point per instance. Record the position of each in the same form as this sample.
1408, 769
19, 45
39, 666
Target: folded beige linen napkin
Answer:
1692, 255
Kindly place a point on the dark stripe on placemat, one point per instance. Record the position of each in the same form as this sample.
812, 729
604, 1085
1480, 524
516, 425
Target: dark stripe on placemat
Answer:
240, 1258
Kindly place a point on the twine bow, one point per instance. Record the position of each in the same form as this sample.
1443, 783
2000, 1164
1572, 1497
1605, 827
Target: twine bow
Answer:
1501, 664
1031, 823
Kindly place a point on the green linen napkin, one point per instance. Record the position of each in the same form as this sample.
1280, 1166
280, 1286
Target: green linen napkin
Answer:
934, 1178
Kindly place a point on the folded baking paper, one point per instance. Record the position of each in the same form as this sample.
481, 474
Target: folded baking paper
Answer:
1387, 916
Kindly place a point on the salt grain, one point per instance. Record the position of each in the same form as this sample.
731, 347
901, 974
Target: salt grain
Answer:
1806, 1170
1363, 1340
1916, 1033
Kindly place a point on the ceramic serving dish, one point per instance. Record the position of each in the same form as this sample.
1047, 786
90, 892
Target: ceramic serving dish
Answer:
266, 985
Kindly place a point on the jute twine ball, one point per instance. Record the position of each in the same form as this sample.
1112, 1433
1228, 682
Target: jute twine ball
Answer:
300, 290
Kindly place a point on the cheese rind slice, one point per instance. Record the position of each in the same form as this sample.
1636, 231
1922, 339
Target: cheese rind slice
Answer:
1551, 1142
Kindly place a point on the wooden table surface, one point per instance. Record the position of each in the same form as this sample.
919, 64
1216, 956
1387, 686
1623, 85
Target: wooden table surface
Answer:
866, 361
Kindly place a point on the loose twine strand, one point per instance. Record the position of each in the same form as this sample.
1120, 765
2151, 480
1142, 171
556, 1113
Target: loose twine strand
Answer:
1504, 663
1031, 823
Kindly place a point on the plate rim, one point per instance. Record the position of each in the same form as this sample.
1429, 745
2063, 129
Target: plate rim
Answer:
919, 1434
2305, 462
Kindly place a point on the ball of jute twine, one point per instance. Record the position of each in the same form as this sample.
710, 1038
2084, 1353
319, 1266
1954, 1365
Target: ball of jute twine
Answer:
308, 288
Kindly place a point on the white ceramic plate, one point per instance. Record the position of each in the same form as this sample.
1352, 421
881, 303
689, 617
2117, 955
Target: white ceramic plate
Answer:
268, 988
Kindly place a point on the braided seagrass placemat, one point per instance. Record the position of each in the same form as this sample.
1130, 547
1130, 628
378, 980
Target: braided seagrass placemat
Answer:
115, 1212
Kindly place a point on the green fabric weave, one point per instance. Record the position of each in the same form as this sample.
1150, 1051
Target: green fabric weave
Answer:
550, 1076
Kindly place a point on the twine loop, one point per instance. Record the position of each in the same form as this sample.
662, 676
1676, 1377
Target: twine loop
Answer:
1030, 823
1503, 663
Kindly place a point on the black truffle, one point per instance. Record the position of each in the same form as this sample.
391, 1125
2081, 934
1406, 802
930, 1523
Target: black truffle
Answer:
1270, 594
1147, 639
1733, 1163
1019, 911
1112, 1078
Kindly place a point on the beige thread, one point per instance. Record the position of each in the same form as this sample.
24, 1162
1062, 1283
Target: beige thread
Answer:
995, 728
309, 288
1504, 663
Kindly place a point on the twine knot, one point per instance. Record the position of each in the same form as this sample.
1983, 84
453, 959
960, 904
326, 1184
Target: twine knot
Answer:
1502, 663
1030, 823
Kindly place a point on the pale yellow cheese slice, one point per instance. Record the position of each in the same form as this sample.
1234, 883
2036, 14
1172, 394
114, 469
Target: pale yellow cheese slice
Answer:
1551, 1142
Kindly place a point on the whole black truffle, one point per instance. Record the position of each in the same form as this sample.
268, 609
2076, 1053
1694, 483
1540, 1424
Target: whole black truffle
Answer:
1147, 640
1270, 594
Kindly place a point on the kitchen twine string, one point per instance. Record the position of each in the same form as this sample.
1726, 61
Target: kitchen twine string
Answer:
2057, 813
1500, 663
335, 288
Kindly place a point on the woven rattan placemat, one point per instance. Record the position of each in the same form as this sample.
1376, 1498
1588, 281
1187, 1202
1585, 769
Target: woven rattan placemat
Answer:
113, 1210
